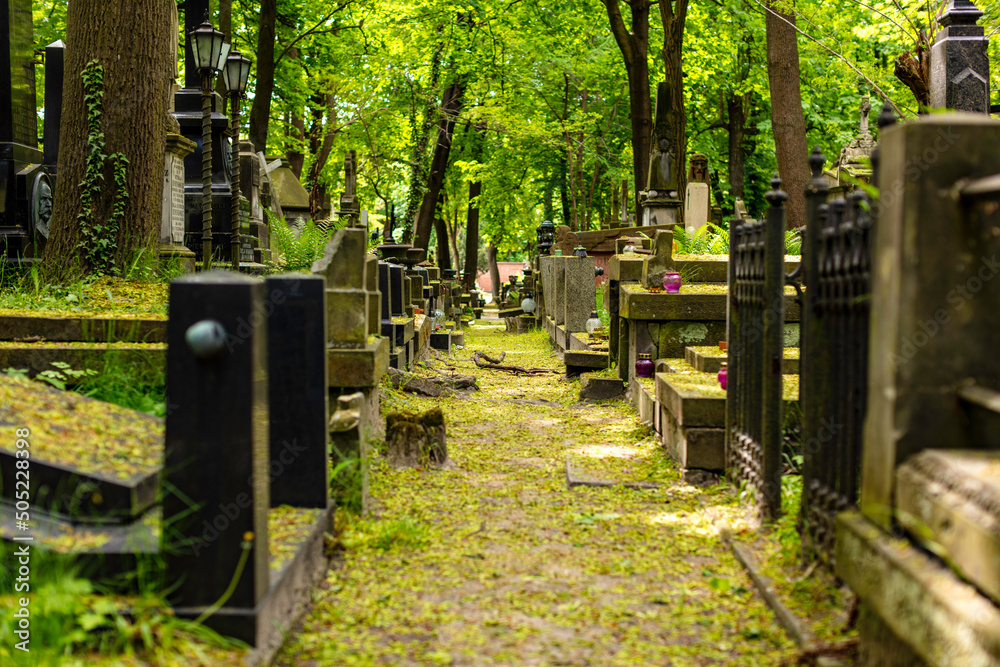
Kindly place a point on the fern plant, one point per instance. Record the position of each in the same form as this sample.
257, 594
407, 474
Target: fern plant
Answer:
709, 239
297, 250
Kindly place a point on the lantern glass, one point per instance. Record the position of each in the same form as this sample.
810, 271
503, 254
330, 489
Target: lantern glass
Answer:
206, 46
236, 73
220, 62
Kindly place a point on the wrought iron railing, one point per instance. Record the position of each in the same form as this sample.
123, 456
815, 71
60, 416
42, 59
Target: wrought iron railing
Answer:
756, 341
834, 366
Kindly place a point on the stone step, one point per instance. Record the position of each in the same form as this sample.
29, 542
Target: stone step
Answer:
358, 367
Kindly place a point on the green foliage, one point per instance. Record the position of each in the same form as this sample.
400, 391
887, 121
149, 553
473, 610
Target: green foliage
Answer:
99, 239
297, 250
72, 615
709, 239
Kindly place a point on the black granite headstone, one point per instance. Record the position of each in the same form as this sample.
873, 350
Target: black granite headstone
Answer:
55, 55
396, 291
297, 390
385, 286
217, 447
18, 119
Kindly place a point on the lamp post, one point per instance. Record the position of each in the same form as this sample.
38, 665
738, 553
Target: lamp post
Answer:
235, 75
209, 50
545, 233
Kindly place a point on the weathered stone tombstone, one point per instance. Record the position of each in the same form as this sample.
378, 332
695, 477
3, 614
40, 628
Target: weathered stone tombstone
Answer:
350, 207
662, 200
172, 246
343, 266
698, 198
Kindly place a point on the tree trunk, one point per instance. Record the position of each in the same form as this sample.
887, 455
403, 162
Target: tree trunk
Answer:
133, 114
451, 105
564, 190
441, 230
491, 260
736, 107
471, 271
673, 15
260, 111
787, 119
634, 46
296, 158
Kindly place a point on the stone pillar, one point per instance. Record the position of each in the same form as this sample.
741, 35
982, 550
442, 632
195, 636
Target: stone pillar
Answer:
559, 289
960, 67
172, 248
579, 293
934, 294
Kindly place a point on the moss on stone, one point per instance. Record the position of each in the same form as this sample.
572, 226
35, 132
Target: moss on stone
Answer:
72, 430
287, 528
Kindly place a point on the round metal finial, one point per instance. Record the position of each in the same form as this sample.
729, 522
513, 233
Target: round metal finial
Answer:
776, 196
816, 162
887, 117
206, 338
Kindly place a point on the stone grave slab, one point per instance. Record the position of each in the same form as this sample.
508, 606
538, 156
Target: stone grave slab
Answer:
596, 388
82, 329
709, 359
579, 361
90, 461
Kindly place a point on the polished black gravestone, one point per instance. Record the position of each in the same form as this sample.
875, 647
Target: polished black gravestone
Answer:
217, 447
960, 66
25, 191
385, 287
297, 390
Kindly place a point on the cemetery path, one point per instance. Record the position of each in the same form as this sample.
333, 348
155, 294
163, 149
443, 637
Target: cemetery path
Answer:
497, 562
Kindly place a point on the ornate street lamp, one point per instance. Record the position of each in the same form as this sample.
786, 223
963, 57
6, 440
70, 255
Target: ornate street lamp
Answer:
208, 47
235, 74
545, 232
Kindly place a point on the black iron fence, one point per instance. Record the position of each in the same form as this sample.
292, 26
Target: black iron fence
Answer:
834, 365
756, 342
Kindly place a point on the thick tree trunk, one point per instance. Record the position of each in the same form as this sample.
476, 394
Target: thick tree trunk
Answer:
673, 15
471, 270
296, 158
787, 120
736, 107
260, 111
634, 47
451, 105
133, 114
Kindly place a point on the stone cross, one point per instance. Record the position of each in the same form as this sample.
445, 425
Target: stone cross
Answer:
960, 68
